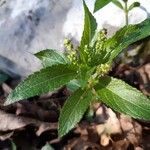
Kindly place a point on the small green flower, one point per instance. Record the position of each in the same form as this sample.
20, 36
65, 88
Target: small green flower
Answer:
103, 69
100, 43
68, 45
71, 52
87, 51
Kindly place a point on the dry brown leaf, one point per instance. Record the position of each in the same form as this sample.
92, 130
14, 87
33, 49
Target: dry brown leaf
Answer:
34, 111
121, 145
123, 129
104, 140
5, 136
132, 130
144, 82
111, 125
46, 127
9, 122
137, 76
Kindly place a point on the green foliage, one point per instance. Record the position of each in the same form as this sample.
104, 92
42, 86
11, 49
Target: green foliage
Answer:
74, 109
51, 57
118, 4
126, 36
47, 147
123, 98
13, 146
101, 3
48, 79
90, 26
73, 85
133, 5
84, 70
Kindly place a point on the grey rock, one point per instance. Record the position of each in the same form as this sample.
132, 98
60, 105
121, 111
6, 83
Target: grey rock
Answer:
28, 26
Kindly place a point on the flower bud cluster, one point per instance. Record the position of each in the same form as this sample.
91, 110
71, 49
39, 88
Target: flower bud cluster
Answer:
68, 45
71, 52
100, 43
103, 69
90, 53
87, 52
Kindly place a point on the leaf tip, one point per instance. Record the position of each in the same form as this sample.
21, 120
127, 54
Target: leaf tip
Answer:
9, 99
7, 102
95, 9
61, 133
12, 98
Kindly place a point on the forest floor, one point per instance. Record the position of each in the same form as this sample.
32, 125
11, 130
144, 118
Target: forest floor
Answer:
30, 124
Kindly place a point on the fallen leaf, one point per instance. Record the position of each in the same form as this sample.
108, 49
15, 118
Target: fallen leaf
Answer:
132, 130
5, 136
10, 122
111, 125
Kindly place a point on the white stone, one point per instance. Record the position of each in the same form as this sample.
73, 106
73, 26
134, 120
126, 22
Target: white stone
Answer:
27, 26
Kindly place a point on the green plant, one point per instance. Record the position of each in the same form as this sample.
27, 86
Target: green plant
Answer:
101, 3
47, 147
86, 69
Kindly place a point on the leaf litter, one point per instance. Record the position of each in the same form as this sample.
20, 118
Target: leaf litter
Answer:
32, 123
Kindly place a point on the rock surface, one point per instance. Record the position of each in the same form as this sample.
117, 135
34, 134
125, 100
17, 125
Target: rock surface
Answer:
27, 27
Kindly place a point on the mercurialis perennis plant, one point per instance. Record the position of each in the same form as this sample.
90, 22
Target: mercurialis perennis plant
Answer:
86, 68
122, 4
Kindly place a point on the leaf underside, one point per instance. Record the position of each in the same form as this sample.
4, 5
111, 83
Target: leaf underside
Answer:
126, 36
123, 98
46, 80
118, 4
133, 5
100, 4
51, 57
73, 85
73, 110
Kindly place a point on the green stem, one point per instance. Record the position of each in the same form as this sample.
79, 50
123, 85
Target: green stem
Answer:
126, 13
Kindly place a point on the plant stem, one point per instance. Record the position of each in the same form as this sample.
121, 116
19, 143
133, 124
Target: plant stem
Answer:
126, 13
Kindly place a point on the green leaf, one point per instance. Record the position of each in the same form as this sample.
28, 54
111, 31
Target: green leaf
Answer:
13, 146
98, 59
133, 5
94, 39
90, 27
126, 36
51, 57
73, 85
123, 98
100, 4
46, 80
73, 110
118, 4
84, 74
47, 147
